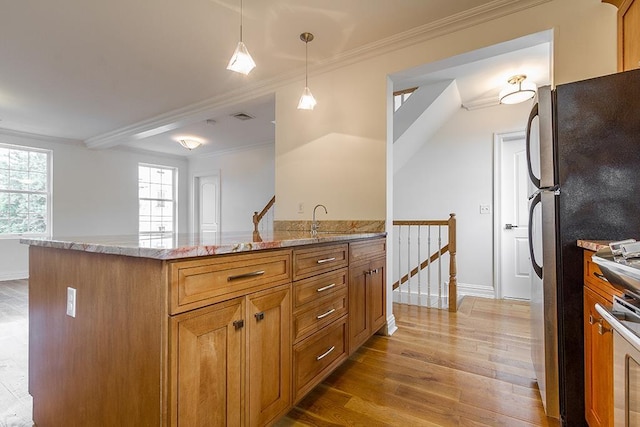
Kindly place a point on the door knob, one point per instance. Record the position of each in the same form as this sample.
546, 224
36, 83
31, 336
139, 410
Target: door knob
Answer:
510, 226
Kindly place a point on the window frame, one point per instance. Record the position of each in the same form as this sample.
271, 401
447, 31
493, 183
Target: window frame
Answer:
156, 238
48, 192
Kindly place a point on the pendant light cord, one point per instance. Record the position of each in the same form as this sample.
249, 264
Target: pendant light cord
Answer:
306, 63
240, 20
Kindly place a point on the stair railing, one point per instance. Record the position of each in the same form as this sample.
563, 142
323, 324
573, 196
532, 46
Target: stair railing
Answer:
419, 277
257, 217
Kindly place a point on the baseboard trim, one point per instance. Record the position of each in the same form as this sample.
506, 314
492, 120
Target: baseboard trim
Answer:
14, 275
390, 327
476, 290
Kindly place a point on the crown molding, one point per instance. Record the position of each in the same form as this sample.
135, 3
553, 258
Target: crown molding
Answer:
476, 104
270, 142
205, 109
39, 137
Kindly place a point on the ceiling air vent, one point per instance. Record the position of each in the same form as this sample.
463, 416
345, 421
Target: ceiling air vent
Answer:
242, 116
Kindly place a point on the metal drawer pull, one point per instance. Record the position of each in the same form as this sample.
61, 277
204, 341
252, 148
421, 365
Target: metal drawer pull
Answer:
322, 261
326, 353
600, 276
245, 275
326, 287
322, 316
259, 316
602, 329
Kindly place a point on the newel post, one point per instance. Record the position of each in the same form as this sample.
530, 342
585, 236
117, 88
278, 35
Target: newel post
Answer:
453, 281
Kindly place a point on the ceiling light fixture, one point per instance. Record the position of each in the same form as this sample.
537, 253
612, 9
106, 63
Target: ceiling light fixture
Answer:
307, 101
241, 62
517, 91
189, 144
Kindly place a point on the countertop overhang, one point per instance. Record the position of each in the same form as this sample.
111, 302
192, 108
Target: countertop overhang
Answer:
175, 246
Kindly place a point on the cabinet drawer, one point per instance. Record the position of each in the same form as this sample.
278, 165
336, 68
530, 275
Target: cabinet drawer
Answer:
319, 313
200, 282
362, 251
594, 279
310, 289
315, 357
319, 259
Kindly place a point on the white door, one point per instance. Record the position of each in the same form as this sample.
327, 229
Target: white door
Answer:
207, 203
514, 220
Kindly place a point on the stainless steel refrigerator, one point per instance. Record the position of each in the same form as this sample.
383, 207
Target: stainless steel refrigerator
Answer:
583, 151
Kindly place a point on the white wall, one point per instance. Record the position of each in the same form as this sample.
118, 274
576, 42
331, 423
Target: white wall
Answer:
350, 121
453, 172
246, 183
95, 192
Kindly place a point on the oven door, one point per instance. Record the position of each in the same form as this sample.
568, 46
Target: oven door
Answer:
626, 382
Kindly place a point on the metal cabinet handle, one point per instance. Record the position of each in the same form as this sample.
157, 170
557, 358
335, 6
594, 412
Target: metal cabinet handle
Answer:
259, 316
326, 353
324, 288
322, 261
322, 316
591, 321
602, 329
238, 324
600, 276
245, 275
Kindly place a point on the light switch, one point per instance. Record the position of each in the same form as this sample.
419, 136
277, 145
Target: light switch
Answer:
71, 302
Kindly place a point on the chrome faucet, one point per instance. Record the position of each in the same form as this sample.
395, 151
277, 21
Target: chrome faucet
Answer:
314, 223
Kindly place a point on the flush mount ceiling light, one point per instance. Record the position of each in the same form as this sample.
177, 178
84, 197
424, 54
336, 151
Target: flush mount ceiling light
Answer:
189, 144
307, 101
241, 62
517, 91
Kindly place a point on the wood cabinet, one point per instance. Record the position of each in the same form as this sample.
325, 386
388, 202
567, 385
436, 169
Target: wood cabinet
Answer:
231, 361
598, 347
320, 314
222, 340
367, 295
629, 35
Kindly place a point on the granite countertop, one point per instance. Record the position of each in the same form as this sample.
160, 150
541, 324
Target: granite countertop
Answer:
176, 246
593, 245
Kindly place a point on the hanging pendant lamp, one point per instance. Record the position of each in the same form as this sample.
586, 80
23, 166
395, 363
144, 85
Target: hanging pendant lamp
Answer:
307, 101
241, 62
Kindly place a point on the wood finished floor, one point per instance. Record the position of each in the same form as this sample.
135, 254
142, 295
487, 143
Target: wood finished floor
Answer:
471, 368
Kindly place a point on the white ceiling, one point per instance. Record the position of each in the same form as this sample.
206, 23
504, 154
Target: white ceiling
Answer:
95, 71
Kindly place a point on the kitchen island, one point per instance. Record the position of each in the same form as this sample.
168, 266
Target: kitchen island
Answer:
229, 329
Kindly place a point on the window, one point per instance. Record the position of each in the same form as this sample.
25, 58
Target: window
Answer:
25, 191
401, 96
157, 201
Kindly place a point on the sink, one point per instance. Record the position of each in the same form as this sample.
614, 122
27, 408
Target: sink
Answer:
622, 273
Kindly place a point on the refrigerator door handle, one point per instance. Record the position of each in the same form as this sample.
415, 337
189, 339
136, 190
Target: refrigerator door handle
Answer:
537, 268
532, 115
555, 190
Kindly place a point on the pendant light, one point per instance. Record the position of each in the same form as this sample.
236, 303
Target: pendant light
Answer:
241, 62
517, 91
307, 101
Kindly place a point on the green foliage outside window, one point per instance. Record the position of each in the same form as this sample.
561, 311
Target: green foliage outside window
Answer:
24, 190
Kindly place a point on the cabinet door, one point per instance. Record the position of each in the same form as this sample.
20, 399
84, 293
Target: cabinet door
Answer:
207, 359
359, 319
629, 35
377, 294
269, 354
598, 353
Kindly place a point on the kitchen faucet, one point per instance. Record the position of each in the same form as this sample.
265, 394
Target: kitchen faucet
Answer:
314, 223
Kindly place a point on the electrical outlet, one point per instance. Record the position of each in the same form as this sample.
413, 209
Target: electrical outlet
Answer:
71, 302
300, 207
485, 209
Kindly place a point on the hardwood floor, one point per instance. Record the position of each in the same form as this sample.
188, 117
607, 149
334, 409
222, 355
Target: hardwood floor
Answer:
15, 401
471, 368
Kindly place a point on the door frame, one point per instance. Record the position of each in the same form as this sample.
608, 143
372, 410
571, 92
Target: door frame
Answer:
498, 140
195, 197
